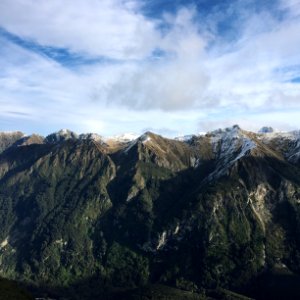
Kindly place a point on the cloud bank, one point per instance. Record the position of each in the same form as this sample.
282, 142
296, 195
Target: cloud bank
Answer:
178, 70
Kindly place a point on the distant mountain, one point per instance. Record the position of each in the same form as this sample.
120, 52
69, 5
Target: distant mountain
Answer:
266, 129
210, 212
7, 139
125, 137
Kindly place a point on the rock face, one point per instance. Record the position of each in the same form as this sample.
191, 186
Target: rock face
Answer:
212, 210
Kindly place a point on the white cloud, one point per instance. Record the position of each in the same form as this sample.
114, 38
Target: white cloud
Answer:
175, 82
177, 85
257, 66
292, 6
251, 73
98, 28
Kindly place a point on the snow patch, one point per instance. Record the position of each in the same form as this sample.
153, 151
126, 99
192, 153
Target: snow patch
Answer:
247, 145
60, 242
162, 240
184, 138
143, 138
176, 229
4, 243
195, 162
289, 135
189, 137
130, 146
90, 136
281, 139
228, 145
61, 135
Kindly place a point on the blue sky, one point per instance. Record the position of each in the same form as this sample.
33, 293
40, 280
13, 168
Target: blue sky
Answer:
173, 67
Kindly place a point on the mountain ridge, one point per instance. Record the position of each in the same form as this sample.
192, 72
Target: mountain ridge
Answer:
214, 211
265, 133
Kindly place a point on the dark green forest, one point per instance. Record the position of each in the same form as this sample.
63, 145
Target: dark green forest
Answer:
155, 218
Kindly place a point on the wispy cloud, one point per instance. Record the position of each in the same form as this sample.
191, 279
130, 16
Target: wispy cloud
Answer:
99, 28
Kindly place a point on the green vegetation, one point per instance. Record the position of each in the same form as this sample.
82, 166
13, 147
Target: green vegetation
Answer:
126, 268
145, 222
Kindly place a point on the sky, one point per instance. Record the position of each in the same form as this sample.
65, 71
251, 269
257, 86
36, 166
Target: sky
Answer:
173, 67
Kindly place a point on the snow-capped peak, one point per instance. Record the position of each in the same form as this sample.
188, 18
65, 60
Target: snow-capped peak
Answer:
61, 135
226, 142
227, 133
64, 131
90, 136
144, 138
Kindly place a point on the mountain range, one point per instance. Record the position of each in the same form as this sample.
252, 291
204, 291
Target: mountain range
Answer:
213, 215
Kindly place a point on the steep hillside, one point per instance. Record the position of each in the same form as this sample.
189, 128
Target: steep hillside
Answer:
212, 211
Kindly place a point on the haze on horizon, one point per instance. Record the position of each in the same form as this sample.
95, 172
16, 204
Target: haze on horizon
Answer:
172, 67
